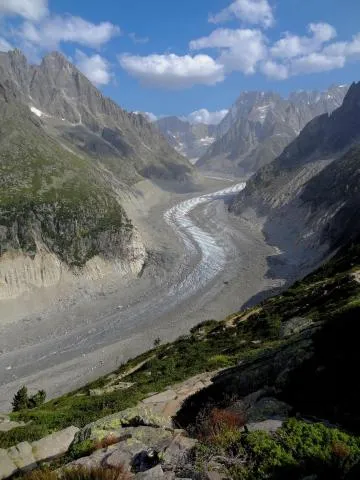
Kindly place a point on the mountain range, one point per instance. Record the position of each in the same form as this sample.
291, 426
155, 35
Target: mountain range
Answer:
66, 155
261, 124
189, 139
308, 197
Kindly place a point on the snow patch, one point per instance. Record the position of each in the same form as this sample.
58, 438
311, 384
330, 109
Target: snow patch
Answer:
207, 140
36, 111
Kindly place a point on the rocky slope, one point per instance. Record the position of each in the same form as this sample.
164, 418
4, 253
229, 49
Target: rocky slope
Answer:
282, 378
67, 154
57, 213
190, 140
76, 113
315, 181
261, 124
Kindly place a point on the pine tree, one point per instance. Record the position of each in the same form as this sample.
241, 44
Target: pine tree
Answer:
37, 399
20, 400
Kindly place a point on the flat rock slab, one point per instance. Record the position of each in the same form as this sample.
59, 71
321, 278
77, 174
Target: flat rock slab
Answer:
54, 445
117, 423
265, 426
152, 474
7, 466
22, 456
162, 397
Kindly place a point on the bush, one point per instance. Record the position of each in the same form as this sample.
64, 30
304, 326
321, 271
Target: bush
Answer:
221, 428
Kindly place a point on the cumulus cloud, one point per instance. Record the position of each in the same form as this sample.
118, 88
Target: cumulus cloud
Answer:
29, 9
5, 46
173, 71
204, 116
315, 53
275, 70
240, 49
94, 67
256, 12
49, 33
317, 62
292, 45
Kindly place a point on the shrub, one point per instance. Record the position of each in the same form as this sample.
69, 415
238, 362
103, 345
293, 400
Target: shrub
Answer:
221, 427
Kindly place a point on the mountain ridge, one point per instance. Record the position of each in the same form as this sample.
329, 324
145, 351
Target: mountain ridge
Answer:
261, 124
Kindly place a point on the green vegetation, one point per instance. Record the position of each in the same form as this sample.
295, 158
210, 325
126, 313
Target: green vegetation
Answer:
49, 192
296, 450
22, 401
81, 474
329, 299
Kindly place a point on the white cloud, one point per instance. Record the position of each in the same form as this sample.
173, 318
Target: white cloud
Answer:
173, 71
148, 115
257, 12
274, 70
5, 46
54, 30
316, 62
204, 116
95, 67
136, 39
347, 49
29, 9
292, 45
240, 49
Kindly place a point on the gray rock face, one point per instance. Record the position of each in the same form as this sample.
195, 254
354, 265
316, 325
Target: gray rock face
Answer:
155, 451
75, 112
190, 140
261, 124
117, 423
315, 181
27, 456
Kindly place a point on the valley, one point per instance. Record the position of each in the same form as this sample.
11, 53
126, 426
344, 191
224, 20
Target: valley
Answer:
199, 271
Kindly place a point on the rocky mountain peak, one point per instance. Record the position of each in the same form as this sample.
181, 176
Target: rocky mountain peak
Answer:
261, 124
352, 98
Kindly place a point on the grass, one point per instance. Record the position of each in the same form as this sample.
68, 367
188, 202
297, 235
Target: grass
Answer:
81, 473
296, 450
50, 193
328, 294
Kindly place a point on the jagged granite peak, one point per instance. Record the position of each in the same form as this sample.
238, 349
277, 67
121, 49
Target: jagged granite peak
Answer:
76, 112
309, 196
261, 124
189, 139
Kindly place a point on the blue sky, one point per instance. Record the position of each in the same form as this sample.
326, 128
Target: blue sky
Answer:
176, 57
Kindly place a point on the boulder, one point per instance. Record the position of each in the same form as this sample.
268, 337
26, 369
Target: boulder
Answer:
7, 466
54, 445
22, 456
265, 426
294, 325
178, 450
151, 474
116, 423
268, 408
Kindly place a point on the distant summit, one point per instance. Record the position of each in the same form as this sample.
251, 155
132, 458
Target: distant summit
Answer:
261, 124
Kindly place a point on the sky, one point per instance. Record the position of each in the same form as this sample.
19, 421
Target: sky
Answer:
191, 58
